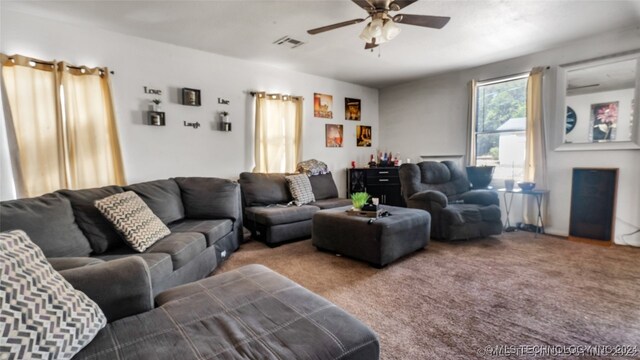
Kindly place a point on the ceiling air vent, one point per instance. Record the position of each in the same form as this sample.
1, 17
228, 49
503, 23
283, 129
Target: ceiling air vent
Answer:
285, 40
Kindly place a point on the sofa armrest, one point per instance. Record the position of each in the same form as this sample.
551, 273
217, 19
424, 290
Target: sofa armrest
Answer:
429, 196
480, 197
120, 287
65, 263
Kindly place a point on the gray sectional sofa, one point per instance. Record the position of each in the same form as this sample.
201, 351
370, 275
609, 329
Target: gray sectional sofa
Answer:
203, 214
268, 210
247, 313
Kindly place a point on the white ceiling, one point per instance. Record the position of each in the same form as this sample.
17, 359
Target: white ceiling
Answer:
479, 32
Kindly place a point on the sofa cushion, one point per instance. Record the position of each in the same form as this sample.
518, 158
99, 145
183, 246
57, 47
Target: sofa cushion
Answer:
323, 186
43, 316
139, 226
163, 198
210, 198
261, 189
160, 264
331, 203
213, 230
300, 189
276, 215
182, 247
49, 222
102, 236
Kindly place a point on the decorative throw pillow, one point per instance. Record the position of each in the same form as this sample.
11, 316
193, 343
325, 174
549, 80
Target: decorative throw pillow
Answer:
300, 188
42, 316
139, 226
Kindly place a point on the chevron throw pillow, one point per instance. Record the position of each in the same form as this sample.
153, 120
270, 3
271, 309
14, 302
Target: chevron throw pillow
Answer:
300, 188
133, 219
42, 316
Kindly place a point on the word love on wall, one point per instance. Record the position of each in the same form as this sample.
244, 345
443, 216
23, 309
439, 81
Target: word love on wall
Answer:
148, 90
194, 125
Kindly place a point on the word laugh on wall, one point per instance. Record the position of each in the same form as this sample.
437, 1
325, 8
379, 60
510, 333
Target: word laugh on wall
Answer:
195, 125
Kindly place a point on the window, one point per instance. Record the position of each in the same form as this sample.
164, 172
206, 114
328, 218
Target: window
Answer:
499, 126
278, 132
62, 124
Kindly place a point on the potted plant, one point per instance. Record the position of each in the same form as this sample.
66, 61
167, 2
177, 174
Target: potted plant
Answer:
359, 199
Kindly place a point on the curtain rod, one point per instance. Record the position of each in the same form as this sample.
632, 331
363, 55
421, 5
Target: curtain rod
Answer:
254, 93
42, 62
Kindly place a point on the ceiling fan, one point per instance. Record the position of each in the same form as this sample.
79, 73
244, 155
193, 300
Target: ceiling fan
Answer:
382, 27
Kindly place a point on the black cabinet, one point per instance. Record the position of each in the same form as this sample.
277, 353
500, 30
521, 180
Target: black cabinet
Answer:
382, 183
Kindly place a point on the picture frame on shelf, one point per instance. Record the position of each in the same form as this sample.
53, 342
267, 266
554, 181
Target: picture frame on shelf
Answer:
155, 118
191, 97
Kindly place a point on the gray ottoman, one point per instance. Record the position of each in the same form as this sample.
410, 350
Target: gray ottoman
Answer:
379, 242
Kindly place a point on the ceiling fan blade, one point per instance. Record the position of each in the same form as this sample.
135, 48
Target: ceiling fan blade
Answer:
400, 4
334, 26
365, 4
370, 45
436, 22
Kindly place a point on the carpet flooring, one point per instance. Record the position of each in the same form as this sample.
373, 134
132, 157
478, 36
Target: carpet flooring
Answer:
452, 300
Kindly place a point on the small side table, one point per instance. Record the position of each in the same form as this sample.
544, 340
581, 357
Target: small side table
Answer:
538, 194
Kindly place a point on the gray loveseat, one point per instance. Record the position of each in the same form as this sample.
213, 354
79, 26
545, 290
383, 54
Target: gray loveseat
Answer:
268, 211
203, 214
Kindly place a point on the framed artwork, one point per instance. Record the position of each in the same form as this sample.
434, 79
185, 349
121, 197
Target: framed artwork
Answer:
363, 136
191, 97
333, 135
352, 109
155, 118
322, 106
604, 120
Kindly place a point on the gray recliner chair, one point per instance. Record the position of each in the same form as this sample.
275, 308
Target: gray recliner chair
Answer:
443, 189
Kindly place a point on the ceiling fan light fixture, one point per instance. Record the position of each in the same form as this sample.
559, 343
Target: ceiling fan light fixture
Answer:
365, 35
375, 28
390, 30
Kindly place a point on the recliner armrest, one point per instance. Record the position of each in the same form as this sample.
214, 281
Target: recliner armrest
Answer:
120, 287
480, 197
429, 196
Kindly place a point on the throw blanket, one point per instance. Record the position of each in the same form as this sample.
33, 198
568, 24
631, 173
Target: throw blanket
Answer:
312, 167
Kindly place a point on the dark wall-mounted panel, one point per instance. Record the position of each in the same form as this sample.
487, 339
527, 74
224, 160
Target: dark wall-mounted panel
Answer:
593, 203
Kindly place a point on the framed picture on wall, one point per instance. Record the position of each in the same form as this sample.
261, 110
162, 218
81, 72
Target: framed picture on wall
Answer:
333, 135
604, 120
363, 136
352, 109
191, 97
322, 106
